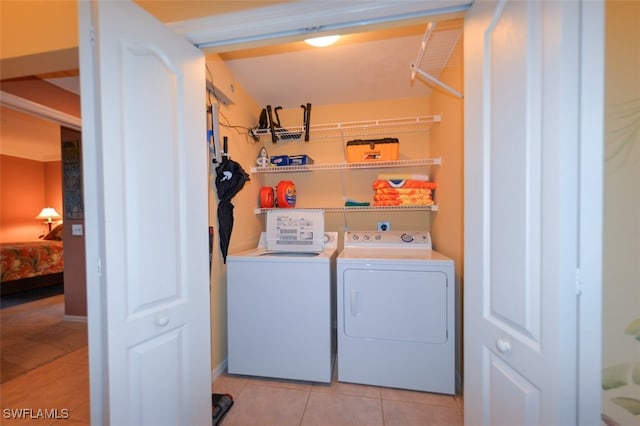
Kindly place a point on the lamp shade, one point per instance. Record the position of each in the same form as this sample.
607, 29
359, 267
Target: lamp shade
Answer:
48, 214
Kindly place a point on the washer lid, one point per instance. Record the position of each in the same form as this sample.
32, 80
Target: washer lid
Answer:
264, 255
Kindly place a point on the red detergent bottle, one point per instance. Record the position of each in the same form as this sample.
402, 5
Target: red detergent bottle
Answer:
266, 197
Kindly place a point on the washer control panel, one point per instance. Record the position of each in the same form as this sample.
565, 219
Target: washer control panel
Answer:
417, 239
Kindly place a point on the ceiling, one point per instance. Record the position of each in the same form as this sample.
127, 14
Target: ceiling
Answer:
364, 65
361, 67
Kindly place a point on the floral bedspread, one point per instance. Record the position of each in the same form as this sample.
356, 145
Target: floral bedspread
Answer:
30, 259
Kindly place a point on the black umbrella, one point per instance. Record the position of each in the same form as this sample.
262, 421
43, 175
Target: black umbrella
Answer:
230, 178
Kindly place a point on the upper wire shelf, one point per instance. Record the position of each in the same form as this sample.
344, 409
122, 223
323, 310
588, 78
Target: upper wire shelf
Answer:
355, 128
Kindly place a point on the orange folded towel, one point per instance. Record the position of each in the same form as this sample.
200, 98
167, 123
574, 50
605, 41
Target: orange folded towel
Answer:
383, 197
408, 183
403, 191
399, 202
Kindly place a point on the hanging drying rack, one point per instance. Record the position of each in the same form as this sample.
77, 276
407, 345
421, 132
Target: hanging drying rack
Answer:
436, 51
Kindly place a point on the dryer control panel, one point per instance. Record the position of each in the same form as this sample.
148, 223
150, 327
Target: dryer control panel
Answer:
388, 239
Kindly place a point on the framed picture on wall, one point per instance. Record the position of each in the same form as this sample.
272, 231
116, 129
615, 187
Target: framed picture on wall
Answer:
72, 180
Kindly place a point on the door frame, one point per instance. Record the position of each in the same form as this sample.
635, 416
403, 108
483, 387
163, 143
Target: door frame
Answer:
591, 181
588, 280
591, 166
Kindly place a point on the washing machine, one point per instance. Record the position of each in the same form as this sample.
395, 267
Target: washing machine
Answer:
396, 319
281, 312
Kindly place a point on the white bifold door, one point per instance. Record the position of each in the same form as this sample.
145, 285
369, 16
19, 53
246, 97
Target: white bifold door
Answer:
145, 164
523, 94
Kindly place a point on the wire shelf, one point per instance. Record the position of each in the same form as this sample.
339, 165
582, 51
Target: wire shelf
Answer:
433, 207
355, 128
349, 166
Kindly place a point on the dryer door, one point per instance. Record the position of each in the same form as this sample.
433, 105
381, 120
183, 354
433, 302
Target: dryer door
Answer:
395, 305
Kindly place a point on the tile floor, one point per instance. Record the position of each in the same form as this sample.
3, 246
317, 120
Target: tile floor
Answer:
63, 385
260, 401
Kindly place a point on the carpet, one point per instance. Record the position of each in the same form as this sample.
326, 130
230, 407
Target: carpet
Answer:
35, 333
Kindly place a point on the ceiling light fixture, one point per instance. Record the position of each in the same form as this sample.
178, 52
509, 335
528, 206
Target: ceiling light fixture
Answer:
322, 41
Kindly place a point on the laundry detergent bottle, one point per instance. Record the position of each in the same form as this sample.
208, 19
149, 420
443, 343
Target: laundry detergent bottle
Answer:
266, 197
286, 194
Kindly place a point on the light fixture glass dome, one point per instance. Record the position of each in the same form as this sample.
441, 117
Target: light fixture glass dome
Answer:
322, 41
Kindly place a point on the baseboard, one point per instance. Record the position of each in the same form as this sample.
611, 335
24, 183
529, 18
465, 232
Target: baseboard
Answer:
219, 370
75, 318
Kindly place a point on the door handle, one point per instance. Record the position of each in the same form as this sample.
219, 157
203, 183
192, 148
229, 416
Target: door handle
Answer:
354, 303
503, 346
162, 320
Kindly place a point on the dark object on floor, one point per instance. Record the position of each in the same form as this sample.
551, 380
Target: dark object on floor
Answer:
14, 299
220, 406
24, 284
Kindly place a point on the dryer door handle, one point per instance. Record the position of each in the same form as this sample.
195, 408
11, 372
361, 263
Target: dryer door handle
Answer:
354, 303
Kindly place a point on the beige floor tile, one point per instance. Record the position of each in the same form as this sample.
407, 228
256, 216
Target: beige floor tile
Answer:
420, 397
262, 405
402, 413
347, 389
324, 409
281, 383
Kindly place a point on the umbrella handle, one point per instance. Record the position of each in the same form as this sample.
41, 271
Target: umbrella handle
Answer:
225, 146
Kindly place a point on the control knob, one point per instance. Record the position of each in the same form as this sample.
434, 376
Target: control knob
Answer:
407, 238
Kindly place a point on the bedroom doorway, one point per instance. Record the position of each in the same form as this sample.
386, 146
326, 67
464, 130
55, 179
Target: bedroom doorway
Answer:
44, 342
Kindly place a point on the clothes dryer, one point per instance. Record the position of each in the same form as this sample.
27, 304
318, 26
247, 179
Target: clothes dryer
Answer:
396, 320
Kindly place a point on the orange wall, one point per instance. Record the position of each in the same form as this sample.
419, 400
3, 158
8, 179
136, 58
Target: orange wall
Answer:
26, 187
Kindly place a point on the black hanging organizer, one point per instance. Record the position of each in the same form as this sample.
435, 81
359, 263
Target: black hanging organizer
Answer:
269, 123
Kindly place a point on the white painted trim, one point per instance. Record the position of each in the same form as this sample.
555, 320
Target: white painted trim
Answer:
219, 370
93, 216
305, 18
20, 104
591, 122
75, 318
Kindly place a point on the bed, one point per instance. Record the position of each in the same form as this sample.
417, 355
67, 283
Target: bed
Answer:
32, 264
